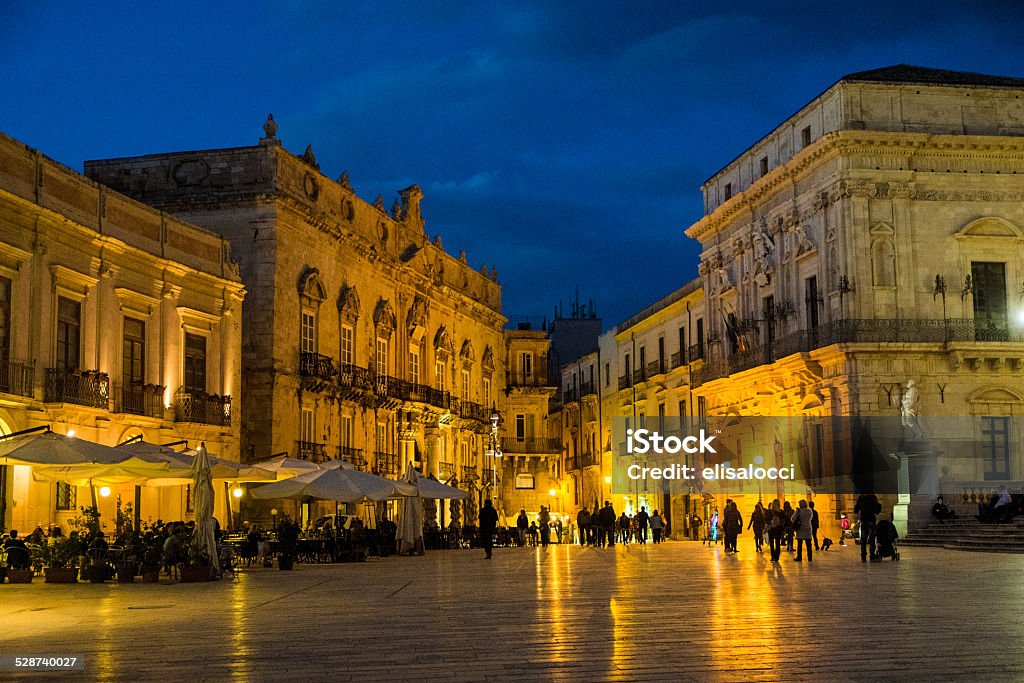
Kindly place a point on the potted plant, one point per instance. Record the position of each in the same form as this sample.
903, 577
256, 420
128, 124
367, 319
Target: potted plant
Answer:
287, 543
199, 567
61, 558
150, 556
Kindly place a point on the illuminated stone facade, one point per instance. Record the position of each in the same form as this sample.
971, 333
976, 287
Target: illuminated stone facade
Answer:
362, 338
818, 285
116, 320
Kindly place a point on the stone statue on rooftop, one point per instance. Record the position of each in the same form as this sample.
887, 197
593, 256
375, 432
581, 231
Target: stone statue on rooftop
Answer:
270, 128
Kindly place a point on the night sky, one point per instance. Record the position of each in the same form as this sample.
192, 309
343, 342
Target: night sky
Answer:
564, 142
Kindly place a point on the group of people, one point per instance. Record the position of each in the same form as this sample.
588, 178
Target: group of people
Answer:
602, 528
777, 523
528, 532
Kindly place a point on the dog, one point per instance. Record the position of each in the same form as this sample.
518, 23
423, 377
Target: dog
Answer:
826, 544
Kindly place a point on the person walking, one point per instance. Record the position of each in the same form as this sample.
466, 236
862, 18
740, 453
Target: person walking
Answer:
582, 524
732, 525
607, 520
802, 527
776, 528
787, 514
488, 524
657, 527
868, 508
522, 524
844, 529
624, 522
544, 518
757, 524
643, 520
815, 523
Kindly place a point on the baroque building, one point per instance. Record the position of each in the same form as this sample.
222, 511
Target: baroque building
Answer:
362, 339
116, 321
874, 238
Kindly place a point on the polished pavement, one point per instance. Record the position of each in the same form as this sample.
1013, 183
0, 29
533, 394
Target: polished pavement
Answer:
678, 611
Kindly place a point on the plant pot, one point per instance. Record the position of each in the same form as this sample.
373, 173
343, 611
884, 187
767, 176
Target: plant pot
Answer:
285, 563
19, 576
151, 575
61, 574
126, 574
195, 574
95, 574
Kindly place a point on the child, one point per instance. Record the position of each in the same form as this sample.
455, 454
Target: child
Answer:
844, 526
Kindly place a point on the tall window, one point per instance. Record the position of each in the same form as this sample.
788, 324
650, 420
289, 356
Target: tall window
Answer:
727, 192
347, 334
682, 344
811, 296
383, 443
346, 431
764, 166
307, 332
700, 335
5, 318
487, 391
805, 136
607, 374
995, 444
195, 363
465, 385
381, 357
520, 427
643, 361
69, 333
307, 425
67, 496
989, 281
134, 354
439, 382
661, 353
414, 365
526, 365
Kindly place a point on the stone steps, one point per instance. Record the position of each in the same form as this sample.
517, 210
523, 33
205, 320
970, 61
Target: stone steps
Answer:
970, 535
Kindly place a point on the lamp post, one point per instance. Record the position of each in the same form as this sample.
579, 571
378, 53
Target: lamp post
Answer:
494, 450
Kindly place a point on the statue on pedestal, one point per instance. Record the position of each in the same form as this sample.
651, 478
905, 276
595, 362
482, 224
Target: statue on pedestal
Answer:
908, 411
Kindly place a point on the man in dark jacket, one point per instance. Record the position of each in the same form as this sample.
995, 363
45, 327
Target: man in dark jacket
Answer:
583, 524
488, 523
868, 508
643, 520
815, 523
522, 524
607, 522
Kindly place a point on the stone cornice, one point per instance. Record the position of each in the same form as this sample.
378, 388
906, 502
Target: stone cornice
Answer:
853, 143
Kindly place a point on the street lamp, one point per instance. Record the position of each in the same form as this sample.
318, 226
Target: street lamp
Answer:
495, 449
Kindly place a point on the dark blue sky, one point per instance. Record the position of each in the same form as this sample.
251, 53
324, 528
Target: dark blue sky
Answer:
563, 141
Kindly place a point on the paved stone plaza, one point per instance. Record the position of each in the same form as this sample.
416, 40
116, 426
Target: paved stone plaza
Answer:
679, 611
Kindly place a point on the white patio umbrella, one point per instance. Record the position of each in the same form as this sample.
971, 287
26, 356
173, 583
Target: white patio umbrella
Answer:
337, 483
203, 538
58, 450
429, 487
284, 466
180, 462
409, 535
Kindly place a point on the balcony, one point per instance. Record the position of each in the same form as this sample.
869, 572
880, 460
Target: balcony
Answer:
624, 381
316, 366
474, 411
639, 375
519, 379
202, 408
354, 456
469, 474
88, 388
513, 444
854, 331
385, 464
16, 378
445, 470
590, 459
489, 476
142, 399
573, 394
355, 378
695, 352
655, 368
310, 450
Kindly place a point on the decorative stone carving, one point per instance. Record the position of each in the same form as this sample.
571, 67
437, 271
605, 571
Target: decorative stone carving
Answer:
311, 187
348, 303
443, 346
466, 354
396, 210
802, 243
309, 157
378, 203
384, 318
417, 317
909, 406
487, 361
859, 188
763, 248
901, 191
344, 181
310, 286
411, 197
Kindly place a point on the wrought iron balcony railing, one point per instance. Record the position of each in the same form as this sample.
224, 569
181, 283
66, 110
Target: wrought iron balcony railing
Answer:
512, 444
655, 368
142, 399
202, 408
352, 455
310, 450
624, 381
854, 331
385, 464
16, 378
695, 352
317, 366
88, 388
355, 377
677, 359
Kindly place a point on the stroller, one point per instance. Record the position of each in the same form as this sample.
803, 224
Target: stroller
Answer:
886, 537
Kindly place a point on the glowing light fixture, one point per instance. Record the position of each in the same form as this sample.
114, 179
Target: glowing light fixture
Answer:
237, 493
104, 491
551, 492
71, 433
607, 480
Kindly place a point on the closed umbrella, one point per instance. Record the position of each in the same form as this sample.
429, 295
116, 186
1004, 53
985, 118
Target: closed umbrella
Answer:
409, 535
338, 483
204, 541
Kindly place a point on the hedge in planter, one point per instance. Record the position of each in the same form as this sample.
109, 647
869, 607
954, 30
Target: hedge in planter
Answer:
61, 557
